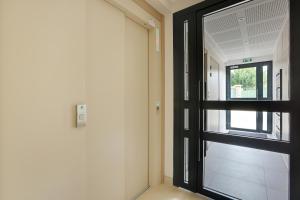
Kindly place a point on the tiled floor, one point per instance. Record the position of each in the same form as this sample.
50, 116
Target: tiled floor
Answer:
245, 173
166, 192
248, 174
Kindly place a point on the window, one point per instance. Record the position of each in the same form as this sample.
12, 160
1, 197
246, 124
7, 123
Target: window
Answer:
249, 82
243, 82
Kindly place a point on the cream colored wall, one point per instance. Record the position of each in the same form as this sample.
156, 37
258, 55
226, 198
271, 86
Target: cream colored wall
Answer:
179, 4
105, 91
53, 55
109, 173
155, 137
168, 171
42, 77
136, 110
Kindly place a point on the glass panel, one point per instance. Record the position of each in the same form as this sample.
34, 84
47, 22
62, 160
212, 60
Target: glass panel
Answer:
236, 36
246, 173
186, 61
186, 119
243, 119
274, 126
278, 86
265, 81
243, 82
265, 121
281, 126
186, 160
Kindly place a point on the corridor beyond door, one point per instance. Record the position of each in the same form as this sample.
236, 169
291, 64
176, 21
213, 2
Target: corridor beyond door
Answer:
136, 109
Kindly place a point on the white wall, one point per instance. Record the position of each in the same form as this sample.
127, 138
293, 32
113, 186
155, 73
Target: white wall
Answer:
211, 53
254, 60
281, 61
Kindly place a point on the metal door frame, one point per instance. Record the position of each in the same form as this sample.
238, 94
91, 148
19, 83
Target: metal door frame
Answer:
197, 104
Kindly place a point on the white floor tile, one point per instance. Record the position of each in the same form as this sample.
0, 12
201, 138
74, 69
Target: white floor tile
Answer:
246, 173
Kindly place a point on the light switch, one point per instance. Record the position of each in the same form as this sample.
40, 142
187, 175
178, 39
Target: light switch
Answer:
81, 119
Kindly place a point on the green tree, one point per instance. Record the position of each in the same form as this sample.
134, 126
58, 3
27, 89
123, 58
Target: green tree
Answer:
245, 77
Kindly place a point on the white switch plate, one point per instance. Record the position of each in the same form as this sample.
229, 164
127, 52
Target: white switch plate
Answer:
81, 119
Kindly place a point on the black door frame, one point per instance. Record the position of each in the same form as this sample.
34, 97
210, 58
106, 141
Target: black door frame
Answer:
197, 105
259, 95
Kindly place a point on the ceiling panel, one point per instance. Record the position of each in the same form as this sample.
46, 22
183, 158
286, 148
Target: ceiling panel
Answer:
222, 24
228, 35
251, 28
231, 44
266, 11
269, 37
265, 27
235, 51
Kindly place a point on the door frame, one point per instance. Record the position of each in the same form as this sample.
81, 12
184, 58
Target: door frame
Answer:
198, 105
259, 94
141, 12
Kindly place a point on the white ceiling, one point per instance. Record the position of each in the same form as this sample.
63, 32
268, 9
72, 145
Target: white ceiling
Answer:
171, 6
247, 30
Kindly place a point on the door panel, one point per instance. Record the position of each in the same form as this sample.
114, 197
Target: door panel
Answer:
226, 23
136, 109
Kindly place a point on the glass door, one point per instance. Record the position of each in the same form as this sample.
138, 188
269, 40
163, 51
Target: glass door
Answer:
236, 137
241, 158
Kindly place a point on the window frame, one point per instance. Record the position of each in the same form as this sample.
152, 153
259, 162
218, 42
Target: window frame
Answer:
259, 94
259, 80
